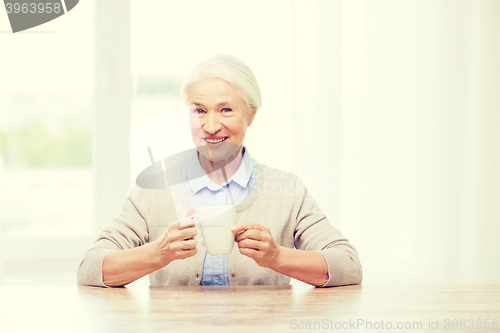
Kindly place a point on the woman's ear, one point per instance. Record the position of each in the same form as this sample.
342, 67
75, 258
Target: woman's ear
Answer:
253, 112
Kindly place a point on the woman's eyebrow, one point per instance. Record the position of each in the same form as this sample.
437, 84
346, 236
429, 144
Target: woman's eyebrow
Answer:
218, 104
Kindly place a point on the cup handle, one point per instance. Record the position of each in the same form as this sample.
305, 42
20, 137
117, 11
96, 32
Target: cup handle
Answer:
196, 221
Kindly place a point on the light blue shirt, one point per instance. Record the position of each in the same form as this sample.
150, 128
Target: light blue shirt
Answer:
204, 192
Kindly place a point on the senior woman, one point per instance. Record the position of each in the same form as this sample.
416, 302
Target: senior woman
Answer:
280, 231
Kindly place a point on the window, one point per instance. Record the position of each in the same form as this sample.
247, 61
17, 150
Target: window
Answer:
45, 135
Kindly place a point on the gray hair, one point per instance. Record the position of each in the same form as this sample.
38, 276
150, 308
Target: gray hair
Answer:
230, 69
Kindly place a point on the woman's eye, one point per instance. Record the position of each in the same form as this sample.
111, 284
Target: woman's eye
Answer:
226, 110
198, 111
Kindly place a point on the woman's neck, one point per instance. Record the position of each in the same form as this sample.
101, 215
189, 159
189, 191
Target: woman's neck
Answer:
214, 169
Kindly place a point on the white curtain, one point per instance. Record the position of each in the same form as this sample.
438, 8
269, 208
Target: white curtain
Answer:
396, 130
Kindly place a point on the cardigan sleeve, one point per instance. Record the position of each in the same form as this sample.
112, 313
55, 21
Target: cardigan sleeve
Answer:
127, 230
314, 232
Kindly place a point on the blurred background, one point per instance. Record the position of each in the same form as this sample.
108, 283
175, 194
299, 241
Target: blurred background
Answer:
387, 109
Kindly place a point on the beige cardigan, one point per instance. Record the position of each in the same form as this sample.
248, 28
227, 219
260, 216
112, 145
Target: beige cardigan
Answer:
280, 201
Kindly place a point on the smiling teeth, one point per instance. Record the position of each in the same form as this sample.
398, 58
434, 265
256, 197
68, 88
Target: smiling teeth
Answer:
215, 140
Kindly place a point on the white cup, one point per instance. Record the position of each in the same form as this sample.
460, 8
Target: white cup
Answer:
215, 225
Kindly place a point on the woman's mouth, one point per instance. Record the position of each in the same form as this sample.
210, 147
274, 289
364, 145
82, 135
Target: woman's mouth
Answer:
215, 140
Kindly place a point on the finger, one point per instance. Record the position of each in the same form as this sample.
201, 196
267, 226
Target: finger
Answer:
251, 253
187, 254
185, 222
188, 244
189, 212
183, 245
251, 244
249, 234
246, 226
179, 235
189, 218
182, 224
187, 233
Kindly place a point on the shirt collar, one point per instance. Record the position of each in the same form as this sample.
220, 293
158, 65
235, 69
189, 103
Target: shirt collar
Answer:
197, 182
244, 172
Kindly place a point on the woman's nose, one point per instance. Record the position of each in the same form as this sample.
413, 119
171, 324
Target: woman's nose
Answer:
212, 124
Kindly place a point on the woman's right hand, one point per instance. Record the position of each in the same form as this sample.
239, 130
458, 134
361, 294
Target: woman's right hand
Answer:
177, 241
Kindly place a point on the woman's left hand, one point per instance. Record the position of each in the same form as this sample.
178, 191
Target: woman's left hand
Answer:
255, 241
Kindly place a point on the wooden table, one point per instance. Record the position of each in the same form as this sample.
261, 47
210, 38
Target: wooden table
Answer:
249, 308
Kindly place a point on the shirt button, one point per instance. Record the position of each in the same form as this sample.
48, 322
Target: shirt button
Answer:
220, 190
218, 277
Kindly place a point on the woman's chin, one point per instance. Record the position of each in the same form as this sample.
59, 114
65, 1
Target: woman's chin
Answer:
224, 151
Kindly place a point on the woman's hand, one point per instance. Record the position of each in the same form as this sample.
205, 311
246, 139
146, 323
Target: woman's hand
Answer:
177, 241
255, 241
124, 266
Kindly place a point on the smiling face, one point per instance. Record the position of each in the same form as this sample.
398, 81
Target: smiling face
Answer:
219, 118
